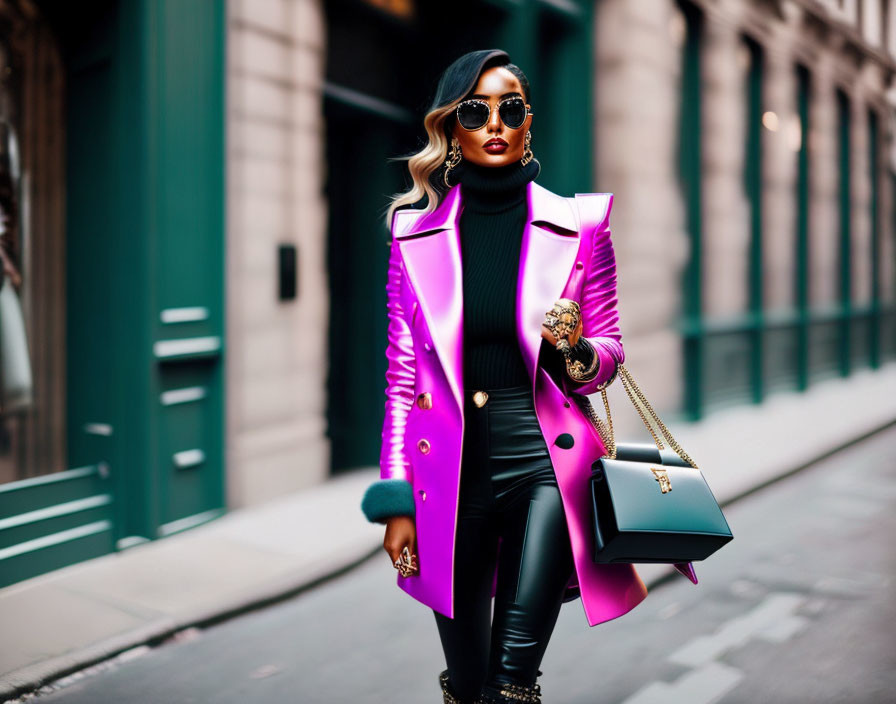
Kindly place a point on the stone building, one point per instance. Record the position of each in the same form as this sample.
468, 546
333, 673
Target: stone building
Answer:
199, 190
754, 234
762, 135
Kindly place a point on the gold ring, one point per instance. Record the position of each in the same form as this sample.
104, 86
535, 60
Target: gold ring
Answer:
406, 564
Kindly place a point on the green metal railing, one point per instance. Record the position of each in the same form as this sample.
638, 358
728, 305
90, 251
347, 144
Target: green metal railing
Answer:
741, 358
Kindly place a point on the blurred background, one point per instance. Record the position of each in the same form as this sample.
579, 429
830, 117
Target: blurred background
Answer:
193, 315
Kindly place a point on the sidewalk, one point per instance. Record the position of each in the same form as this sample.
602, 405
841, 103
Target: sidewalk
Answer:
66, 620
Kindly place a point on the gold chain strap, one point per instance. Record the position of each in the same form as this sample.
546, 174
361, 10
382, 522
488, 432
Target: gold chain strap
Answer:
606, 434
628, 383
606, 430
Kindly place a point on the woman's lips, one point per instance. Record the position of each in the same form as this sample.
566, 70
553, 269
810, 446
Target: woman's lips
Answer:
495, 147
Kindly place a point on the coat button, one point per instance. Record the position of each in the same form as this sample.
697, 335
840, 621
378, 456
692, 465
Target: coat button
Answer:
564, 441
423, 446
579, 265
422, 495
424, 400
566, 403
427, 347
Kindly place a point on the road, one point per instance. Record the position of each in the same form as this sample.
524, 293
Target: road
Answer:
800, 607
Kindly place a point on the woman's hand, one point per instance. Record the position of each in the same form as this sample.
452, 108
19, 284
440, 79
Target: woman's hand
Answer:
400, 531
549, 336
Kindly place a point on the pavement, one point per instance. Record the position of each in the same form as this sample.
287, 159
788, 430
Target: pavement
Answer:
74, 617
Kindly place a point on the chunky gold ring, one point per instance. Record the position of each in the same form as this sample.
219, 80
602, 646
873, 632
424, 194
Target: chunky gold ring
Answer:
406, 564
562, 320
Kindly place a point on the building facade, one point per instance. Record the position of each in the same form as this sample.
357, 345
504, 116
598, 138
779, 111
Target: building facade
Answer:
201, 242
762, 135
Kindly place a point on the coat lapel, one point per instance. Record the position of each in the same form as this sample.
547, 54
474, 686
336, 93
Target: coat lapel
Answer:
430, 247
547, 257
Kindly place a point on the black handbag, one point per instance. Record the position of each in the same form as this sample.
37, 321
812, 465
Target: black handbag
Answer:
650, 503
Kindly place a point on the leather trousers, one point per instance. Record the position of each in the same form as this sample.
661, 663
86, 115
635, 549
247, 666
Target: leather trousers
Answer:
510, 513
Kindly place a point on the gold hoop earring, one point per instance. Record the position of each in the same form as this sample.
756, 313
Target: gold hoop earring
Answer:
527, 152
454, 157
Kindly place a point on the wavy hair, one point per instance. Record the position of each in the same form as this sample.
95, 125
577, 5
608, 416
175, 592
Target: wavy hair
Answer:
427, 166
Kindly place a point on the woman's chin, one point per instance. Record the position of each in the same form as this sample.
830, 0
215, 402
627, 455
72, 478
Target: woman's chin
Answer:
495, 160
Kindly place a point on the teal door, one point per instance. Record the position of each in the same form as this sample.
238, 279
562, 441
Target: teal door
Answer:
144, 309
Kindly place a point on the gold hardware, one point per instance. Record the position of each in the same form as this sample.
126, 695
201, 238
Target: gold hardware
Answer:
562, 319
629, 385
606, 430
527, 149
453, 159
479, 398
576, 370
424, 400
406, 564
521, 693
448, 695
662, 476
424, 446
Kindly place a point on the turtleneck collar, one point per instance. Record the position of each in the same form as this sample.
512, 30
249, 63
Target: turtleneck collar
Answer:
494, 188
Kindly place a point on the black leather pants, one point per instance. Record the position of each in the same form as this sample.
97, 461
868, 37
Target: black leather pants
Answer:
507, 490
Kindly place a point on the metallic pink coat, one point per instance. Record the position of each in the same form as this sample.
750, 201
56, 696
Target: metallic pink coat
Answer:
425, 354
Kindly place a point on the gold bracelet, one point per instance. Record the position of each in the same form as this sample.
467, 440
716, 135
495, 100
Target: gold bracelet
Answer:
577, 370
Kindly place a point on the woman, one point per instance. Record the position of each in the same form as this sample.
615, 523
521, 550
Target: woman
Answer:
485, 461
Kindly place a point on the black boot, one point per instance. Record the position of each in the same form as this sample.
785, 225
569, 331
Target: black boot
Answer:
511, 693
448, 693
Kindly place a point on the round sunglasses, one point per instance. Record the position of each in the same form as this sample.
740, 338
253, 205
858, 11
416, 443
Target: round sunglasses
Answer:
474, 113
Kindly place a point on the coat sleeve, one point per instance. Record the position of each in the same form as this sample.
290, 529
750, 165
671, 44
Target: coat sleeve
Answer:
393, 494
600, 316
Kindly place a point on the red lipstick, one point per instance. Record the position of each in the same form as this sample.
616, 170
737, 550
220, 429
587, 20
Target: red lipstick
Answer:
495, 145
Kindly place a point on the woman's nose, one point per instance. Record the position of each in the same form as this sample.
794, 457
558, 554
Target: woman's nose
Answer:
494, 121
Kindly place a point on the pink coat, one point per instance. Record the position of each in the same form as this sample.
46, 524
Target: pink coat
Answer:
425, 355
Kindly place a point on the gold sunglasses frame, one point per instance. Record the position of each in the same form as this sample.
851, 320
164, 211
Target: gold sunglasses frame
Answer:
490, 109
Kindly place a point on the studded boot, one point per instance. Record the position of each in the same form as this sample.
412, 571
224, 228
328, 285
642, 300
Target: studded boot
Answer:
448, 693
513, 693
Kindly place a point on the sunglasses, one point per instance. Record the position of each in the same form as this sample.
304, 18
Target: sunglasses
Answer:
474, 113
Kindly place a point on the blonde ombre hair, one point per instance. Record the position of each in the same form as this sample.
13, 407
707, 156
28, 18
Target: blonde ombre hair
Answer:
426, 162
427, 166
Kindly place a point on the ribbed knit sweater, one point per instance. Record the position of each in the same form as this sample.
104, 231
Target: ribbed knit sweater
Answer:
491, 230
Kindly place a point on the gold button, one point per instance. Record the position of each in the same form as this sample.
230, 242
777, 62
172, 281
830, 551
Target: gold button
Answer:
479, 398
423, 446
424, 400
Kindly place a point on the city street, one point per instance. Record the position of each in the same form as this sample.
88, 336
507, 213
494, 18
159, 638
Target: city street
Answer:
798, 608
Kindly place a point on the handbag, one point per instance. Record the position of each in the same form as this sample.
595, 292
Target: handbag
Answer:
649, 504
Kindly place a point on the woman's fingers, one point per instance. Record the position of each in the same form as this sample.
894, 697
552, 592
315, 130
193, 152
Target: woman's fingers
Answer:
576, 334
400, 532
393, 548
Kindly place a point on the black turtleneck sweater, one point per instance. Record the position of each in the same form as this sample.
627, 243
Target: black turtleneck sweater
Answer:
491, 230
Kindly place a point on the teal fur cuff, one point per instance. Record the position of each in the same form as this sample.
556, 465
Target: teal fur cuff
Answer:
386, 498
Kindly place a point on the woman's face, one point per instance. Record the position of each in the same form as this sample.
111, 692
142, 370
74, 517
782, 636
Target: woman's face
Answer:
494, 84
